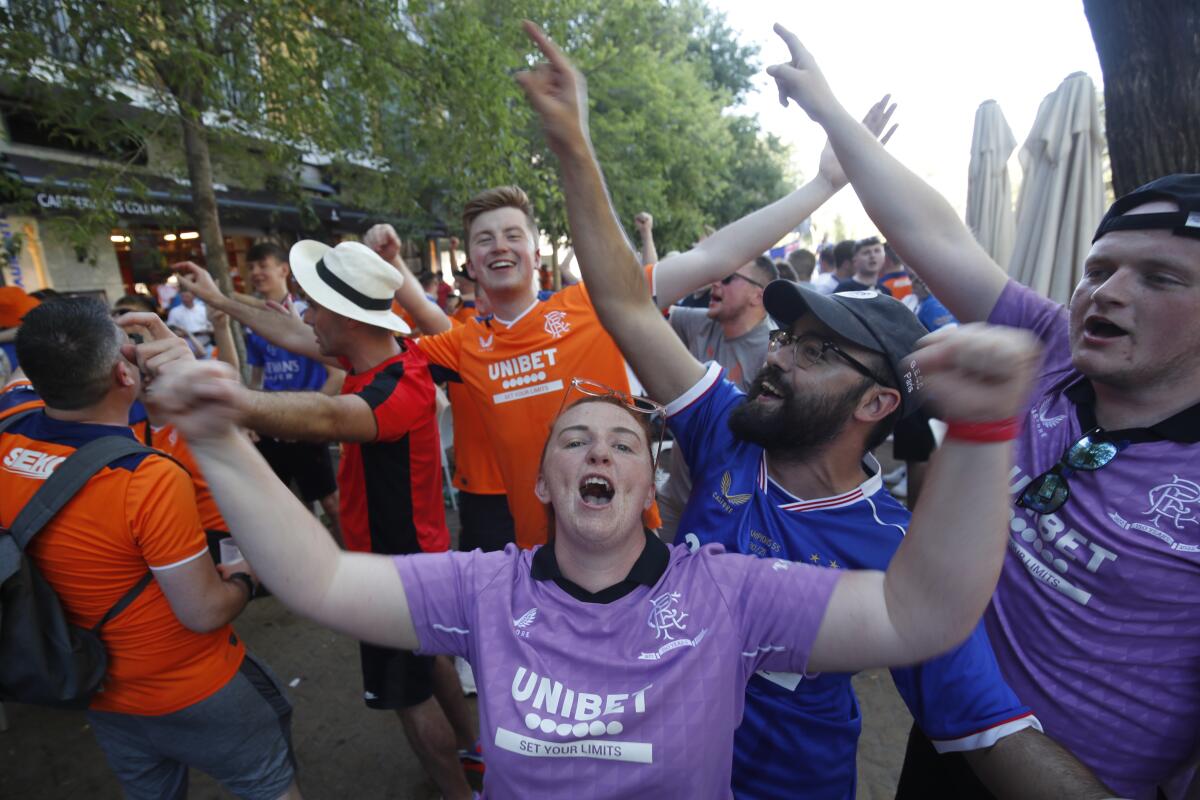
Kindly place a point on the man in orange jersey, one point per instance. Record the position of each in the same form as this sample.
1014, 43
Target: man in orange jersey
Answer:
180, 690
518, 362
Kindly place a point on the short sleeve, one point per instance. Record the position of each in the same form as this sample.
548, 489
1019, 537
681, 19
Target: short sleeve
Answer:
960, 700
165, 522
254, 350
697, 419
777, 606
445, 348
1021, 307
442, 590
396, 401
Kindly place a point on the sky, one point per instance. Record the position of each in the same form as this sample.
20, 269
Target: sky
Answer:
939, 59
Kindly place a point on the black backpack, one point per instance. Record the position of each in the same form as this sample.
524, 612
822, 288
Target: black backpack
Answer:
44, 659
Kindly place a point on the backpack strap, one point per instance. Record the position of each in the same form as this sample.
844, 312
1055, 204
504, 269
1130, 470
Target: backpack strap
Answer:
125, 600
67, 479
4, 423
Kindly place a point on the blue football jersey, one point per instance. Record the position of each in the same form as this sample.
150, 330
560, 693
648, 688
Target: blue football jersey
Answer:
802, 731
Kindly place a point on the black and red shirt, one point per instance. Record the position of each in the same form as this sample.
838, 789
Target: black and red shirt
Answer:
391, 488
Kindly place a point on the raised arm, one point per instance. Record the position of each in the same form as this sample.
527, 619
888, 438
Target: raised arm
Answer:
940, 580
644, 223
358, 594
610, 268
742, 241
428, 316
914, 218
283, 330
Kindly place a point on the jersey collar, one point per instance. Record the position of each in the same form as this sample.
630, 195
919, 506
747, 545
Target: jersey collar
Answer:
646, 571
867, 488
1183, 427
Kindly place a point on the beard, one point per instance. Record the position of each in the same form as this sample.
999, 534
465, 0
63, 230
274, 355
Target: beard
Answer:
797, 426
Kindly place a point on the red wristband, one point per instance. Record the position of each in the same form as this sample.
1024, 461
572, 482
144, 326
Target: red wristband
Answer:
1003, 430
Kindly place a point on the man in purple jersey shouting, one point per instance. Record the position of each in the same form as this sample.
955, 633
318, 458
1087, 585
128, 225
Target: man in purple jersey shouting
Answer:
1093, 621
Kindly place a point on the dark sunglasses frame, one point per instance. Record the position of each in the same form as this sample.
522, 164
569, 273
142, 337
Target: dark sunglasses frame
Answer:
728, 279
1050, 491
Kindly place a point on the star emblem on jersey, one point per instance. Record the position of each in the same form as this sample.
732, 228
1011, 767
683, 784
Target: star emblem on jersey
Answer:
556, 324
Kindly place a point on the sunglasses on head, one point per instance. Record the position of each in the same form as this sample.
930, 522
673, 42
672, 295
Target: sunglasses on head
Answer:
1049, 491
640, 405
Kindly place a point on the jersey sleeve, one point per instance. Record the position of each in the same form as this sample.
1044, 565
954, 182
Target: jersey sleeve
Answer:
443, 348
396, 402
960, 701
442, 590
164, 521
254, 350
697, 419
1021, 307
777, 606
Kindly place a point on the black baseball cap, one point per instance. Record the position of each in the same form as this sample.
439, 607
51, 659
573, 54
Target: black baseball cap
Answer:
868, 318
1183, 189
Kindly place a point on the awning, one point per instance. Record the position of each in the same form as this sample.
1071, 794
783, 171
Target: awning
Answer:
58, 186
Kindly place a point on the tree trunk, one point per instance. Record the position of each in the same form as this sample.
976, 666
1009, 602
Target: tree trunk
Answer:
204, 208
1150, 56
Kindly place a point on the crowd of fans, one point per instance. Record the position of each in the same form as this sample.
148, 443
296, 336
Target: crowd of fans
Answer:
629, 636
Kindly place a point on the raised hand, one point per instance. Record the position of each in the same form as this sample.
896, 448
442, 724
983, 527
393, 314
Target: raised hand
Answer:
384, 240
195, 279
202, 399
875, 121
977, 372
155, 346
644, 222
800, 79
557, 92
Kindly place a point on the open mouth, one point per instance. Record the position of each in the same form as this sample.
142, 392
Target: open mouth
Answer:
502, 264
1100, 328
596, 491
769, 391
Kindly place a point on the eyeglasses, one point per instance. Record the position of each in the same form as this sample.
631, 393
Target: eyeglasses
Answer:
728, 279
808, 349
641, 405
1049, 491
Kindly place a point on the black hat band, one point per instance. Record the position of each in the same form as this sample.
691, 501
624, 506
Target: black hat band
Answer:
349, 292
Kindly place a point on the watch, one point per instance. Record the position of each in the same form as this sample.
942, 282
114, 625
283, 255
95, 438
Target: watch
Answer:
242, 577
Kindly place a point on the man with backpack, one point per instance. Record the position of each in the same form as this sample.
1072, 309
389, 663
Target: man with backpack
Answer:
179, 690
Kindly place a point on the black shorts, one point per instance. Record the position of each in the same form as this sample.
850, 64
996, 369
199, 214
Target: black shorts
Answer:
912, 440
395, 679
926, 773
484, 522
307, 463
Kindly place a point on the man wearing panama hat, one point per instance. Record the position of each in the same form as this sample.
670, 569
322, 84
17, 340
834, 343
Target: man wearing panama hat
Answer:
389, 475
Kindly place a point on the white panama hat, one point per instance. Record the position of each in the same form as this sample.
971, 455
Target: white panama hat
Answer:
350, 279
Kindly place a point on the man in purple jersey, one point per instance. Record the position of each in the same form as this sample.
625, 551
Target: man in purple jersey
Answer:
1093, 621
608, 663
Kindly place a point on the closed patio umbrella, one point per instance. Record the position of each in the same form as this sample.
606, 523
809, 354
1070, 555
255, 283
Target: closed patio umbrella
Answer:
989, 192
1062, 190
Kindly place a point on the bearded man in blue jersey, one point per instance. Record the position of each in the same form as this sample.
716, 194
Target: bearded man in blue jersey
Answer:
786, 472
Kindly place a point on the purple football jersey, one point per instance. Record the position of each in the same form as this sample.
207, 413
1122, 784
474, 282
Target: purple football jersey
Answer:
637, 697
1094, 620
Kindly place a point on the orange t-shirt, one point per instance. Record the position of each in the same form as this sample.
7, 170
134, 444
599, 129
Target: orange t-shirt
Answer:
475, 467
171, 442
138, 512
18, 396
517, 374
